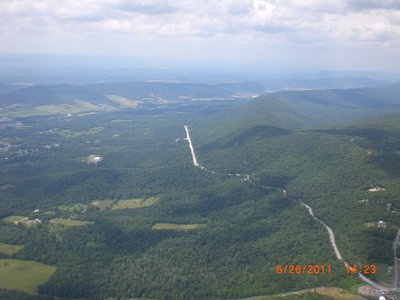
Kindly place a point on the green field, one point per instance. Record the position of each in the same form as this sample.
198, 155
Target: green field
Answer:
102, 204
72, 207
135, 203
69, 222
14, 219
26, 110
123, 102
22, 275
78, 106
72, 134
10, 249
178, 227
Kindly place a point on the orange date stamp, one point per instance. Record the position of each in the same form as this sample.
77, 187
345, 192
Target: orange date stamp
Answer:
366, 269
303, 269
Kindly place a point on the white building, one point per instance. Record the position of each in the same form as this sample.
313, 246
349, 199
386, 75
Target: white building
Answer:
382, 224
94, 159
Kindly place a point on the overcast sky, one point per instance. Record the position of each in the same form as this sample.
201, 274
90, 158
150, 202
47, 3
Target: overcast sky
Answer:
324, 34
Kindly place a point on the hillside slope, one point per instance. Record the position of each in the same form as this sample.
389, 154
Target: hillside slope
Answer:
304, 109
240, 229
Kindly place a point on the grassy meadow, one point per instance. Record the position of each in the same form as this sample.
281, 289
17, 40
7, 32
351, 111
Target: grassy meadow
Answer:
178, 227
23, 275
69, 222
102, 204
135, 203
10, 249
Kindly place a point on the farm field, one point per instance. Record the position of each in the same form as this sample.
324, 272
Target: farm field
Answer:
9, 249
22, 275
72, 208
102, 204
72, 134
15, 219
135, 203
69, 222
178, 227
123, 102
77, 107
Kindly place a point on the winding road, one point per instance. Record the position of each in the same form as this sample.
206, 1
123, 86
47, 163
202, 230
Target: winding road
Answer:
330, 231
373, 284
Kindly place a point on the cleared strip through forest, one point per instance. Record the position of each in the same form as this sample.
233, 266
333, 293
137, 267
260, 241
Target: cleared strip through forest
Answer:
191, 147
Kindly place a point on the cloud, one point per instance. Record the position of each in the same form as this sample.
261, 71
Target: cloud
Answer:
258, 23
144, 7
188, 17
372, 4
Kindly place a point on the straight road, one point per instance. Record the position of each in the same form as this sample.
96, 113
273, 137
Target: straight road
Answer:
191, 147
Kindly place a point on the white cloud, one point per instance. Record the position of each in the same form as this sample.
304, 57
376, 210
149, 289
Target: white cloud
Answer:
261, 23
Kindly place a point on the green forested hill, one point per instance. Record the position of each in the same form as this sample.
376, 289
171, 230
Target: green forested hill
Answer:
203, 235
285, 108
55, 94
7, 88
171, 91
308, 108
97, 93
332, 170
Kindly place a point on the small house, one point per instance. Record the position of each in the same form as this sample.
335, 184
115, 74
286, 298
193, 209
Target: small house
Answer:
382, 224
94, 159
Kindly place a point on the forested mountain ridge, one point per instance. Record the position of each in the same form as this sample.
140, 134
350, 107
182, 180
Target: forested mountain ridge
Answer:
7, 88
318, 107
144, 222
298, 107
331, 169
97, 93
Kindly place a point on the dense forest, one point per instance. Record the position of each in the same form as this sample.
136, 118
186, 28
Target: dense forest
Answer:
98, 230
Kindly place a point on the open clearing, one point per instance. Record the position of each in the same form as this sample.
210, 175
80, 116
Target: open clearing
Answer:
69, 222
135, 203
102, 204
178, 227
72, 208
23, 275
72, 134
123, 102
79, 106
10, 249
21, 220
15, 219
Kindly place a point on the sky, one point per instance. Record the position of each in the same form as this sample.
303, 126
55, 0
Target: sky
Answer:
326, 34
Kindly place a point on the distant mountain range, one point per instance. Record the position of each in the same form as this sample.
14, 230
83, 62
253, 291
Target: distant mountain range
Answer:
302, 106
308, 108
